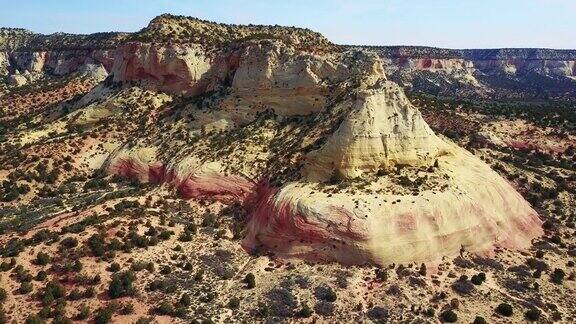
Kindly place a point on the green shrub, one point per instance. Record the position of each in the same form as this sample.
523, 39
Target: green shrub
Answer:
42, 258
127, 309
25, 288
449, 316
34, 319
55, 289
144, 320
250, 281
122, 284
185, 300
41, 275
97, 245
233, 303
69, 242
83, 312
77, 266
557, 276
165, 308
479, 320
114, 267
75, 294
304, 312
104, 315
532, 315
504, 309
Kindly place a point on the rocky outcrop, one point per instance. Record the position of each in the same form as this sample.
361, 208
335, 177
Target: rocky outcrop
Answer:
56, 54
182, 69
383, 130
58, 62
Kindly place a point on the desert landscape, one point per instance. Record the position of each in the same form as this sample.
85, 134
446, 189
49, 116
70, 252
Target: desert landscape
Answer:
201, 172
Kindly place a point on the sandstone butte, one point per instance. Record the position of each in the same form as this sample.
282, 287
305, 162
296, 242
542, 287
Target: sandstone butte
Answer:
361, 129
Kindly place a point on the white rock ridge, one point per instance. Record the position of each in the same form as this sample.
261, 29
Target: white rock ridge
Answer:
382, 130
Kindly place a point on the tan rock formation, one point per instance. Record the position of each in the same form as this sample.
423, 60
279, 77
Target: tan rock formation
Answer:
382, 130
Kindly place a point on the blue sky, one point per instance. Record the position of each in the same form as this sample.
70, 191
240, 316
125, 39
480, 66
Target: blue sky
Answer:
442, 23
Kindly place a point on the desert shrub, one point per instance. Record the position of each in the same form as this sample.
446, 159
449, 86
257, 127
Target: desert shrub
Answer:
478, 279
324, 308
25, 288
42, 258
282, 302
336, 177
422, 270
75, 294
448, 316
532, 315
12, 248
165, 234
122, 284
185, 236
180, 311
250, 281
144, 320
3, 295
378, 313
185, 300
54, 289
61, 319
89, 292
104, 315
209, 220
479, 320
463, 286
557, 276
41, 275
83, 312
127, 309
166, 270
114, 267
304, 312
325, 292
504, 309
97, 244
164, 308
45, 312
34, 319
200, 274
3, 317
233, 303
5, 266
381, 274
69, 242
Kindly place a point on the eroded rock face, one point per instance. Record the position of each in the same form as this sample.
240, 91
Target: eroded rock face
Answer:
382, 130
384, 228
56, 62
182, 69
17, 80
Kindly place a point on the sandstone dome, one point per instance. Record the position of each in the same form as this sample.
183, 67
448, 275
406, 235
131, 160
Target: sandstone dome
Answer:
465, 204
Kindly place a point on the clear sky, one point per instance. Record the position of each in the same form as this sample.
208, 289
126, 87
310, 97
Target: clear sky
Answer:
441, 23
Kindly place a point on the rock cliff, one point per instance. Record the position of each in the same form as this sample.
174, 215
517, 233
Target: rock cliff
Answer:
496, 73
